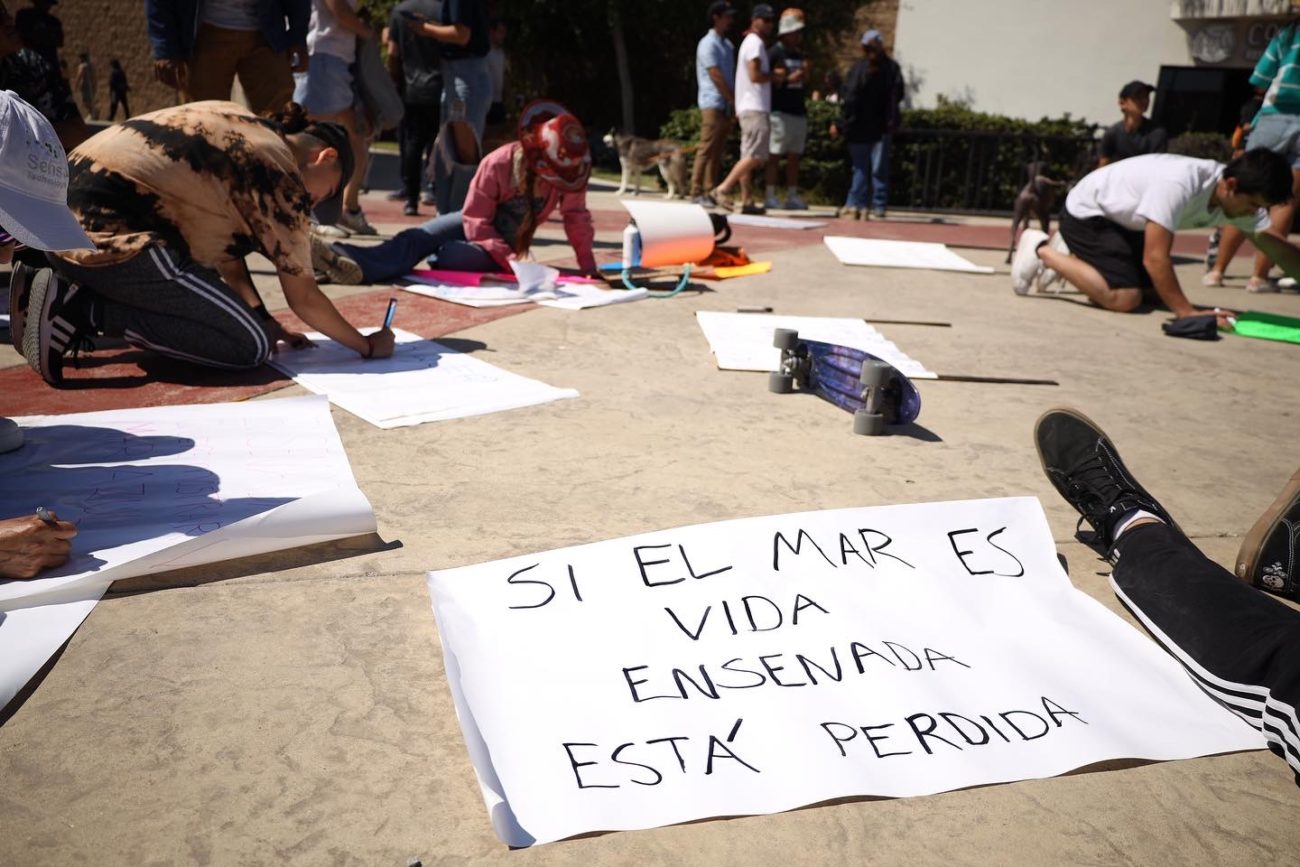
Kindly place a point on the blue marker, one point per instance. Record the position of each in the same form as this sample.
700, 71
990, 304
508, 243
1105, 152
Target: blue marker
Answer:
392, 310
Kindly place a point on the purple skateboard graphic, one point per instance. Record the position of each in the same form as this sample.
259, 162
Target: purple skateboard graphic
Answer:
855, 381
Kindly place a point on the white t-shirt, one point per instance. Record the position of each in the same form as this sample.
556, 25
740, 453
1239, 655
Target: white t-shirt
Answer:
326, 35
233, 14
1166, 189
749, 95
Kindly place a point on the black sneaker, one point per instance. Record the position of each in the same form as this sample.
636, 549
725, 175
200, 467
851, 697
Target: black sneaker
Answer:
1268, 557
57, 324
1083, 466
20, 284
410, 209
751, 208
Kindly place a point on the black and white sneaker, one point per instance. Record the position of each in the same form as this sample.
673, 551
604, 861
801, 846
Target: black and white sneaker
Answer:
57, 323
20, 283
1269, 558
336, 267
1082, 464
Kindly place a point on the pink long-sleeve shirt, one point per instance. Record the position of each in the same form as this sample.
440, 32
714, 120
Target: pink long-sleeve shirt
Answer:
495, 203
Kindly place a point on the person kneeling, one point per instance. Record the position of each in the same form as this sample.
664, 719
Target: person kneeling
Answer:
1117, 229
174, 200
515, 189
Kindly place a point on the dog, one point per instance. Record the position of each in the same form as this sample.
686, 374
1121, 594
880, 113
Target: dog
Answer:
1034, 200
636, 155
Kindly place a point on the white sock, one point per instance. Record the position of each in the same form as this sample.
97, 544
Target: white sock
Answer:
1136, 516
791, 192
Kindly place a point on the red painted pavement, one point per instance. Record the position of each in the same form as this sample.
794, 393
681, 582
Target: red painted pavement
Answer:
126, 377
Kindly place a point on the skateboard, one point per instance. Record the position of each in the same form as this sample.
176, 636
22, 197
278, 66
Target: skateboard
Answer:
855, 381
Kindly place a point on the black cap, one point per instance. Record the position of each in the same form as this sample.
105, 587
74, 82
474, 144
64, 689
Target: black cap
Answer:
1135, 89
720, 7
762, 10
335, 136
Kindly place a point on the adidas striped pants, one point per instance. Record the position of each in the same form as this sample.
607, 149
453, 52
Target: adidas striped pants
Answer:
1239, 644
159, 301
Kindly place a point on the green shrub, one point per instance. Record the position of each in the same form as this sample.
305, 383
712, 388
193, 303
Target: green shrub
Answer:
938, 158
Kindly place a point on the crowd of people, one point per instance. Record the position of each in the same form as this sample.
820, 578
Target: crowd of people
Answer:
142, 230
766, 91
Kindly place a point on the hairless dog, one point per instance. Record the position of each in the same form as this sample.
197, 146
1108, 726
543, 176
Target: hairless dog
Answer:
1034, 200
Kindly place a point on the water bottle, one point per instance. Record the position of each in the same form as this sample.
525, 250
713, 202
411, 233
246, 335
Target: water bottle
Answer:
631, 246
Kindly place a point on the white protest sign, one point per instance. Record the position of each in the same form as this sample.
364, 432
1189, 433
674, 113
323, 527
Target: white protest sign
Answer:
762, 664
743, 341
422, 381
880, 253
162, 488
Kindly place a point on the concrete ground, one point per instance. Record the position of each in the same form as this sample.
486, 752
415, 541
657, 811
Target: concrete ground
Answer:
292, 708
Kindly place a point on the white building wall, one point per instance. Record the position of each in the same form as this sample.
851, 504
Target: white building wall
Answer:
1035, 58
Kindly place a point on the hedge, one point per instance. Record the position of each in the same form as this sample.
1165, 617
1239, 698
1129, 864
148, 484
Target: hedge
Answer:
948, 157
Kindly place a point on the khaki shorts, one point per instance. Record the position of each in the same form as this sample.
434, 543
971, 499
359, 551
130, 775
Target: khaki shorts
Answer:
755, 131
789, 133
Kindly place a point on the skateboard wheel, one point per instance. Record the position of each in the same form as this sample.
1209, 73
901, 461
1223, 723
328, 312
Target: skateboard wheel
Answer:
868, 424
874, 374
780, 383
785, 338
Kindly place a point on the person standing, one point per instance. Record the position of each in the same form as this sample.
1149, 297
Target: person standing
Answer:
1135, 134
753, 108
715, 70
869, 116
84, 82
325, 91
40, 30
463, 32
420, 60
497, 65
789, 112
200, 47
117, 90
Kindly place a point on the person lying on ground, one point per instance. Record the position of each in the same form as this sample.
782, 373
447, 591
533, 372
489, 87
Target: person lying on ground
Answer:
1240, 646
1116, 233
33, 212
515, 189
174, 201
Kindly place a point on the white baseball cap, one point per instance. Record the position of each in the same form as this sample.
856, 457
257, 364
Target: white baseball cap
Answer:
34, 180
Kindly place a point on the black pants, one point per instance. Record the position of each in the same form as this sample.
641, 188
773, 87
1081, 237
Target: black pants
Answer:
417, 130
1239, 644
116, 99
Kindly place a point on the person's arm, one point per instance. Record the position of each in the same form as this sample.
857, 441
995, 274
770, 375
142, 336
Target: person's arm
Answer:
170, 64
29, 545
235, 274
720, 82
1108, 147
578, 229
349, 19
456, 33
1157, 258
311, 305
754, 66
485, 191
1159, 140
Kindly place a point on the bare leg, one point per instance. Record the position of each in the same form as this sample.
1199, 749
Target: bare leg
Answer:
1089, 281
1282, 217
791, 172
740, 173
772, 162
1229, 243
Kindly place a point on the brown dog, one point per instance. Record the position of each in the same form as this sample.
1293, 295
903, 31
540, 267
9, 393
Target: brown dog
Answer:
1036, 199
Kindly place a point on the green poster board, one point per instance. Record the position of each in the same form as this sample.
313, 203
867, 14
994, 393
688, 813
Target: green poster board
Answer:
1268, 326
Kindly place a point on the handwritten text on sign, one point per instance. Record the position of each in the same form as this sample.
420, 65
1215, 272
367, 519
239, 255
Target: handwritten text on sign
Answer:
758, 665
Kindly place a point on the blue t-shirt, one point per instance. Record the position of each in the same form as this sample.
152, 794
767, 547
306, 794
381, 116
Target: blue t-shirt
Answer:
714, 50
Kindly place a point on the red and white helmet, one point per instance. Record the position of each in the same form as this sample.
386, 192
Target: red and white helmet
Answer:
556, 143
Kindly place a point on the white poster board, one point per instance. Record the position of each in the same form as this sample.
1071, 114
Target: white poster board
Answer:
672, 233
763, 664
565, 296
162, 488
743, 341
423, 381
879, 253
763, 221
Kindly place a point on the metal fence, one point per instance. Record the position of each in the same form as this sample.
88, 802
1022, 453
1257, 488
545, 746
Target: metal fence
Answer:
970, 171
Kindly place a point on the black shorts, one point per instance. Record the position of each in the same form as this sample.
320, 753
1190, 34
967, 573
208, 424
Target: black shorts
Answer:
1114, 251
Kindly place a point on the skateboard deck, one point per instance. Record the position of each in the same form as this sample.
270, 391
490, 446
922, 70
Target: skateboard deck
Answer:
858, 382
